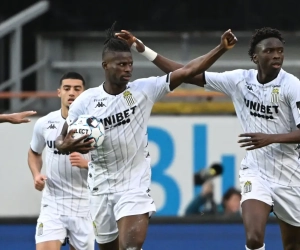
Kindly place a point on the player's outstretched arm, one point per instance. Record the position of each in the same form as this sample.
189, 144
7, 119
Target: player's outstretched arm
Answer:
160, 61
65, 142
17, 118
35, 163
202, 63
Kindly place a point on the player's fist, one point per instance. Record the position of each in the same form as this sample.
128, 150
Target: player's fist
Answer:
77, 160
39, 182
228, 40
131, 40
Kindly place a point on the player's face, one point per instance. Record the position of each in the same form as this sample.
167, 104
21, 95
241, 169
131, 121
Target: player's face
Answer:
69, 90
269, 56
118, 67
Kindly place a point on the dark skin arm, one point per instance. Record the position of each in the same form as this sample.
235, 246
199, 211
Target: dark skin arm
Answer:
258, 140
65, 142
167, 65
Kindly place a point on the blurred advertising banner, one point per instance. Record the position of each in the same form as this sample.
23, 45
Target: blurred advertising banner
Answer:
179, 146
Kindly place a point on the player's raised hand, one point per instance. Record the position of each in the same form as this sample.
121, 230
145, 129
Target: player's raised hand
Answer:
228, 39
22, 117
77, 160
69, 144
255, 140
39, 182
131, 40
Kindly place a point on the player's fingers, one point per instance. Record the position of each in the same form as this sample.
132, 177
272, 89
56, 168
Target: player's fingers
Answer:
24, 120
248, 144
251, 148
126, 32
81, 138
244, 140
246, 135
122, 38
28, 113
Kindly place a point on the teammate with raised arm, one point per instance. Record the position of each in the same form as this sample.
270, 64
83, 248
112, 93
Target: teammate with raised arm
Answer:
119, 173
267, 103
65, 203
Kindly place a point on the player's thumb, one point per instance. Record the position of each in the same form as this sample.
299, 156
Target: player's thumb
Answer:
43, 177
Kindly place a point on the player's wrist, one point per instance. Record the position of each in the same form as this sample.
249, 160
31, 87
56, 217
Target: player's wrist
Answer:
148, 53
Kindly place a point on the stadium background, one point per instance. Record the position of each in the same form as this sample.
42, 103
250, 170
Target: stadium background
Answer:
189, 129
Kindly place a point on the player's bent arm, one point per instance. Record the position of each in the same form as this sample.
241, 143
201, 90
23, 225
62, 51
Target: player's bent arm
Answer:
35, 162
167, 66
196, 66
292, 137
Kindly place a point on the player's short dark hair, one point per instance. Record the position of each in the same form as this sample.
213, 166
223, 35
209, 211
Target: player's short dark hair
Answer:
230, 192
112, 43
261, 34
72, 75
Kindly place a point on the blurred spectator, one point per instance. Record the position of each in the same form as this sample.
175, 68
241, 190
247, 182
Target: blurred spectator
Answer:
204, 202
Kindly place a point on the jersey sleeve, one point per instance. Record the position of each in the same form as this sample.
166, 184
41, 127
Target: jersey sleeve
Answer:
223, 82
38, 143
77, 108
294, 100
155, 87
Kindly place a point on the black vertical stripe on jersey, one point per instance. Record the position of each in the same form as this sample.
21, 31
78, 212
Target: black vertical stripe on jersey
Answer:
138, 111
124, 160
167, 78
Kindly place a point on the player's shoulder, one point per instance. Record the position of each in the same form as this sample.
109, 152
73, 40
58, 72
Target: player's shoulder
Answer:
52, 117
141, 82
90, 92
288, 78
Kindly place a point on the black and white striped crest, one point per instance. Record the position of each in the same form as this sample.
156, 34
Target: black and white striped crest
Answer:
128, 98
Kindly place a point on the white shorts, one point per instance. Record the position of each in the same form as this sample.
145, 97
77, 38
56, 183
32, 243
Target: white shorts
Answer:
284, 199
107, 209
79, 230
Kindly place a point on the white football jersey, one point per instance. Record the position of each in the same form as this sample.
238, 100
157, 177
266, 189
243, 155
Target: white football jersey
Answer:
120, 164
66, 191
271, 108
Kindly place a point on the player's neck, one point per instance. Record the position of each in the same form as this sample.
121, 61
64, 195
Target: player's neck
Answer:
64, 112
265, 78
113, 89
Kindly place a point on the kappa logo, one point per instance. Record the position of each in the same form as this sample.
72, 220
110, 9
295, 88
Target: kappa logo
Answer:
52, 126
100, 105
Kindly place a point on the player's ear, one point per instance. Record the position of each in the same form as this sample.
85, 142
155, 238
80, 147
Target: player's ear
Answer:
58, 93
254, 58
104, 65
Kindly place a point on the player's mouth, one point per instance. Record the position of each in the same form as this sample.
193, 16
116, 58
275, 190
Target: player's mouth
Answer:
276, 65
70, 100
126, 78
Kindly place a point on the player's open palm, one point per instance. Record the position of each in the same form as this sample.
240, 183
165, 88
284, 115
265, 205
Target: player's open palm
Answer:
39, 181
131, 39
255, 140
228, 40
77, 160
22, 117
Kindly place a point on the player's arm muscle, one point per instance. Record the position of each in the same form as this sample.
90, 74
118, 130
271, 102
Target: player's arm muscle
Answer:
35, 162
167, 66
196, 66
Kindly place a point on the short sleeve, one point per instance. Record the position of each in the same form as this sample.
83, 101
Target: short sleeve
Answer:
77, 108
294, 100
223, 82
38, 143
155, 87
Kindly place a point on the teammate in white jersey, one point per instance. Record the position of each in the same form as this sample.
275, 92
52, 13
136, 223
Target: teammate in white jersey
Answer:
65, 203
267, 103
119, 174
